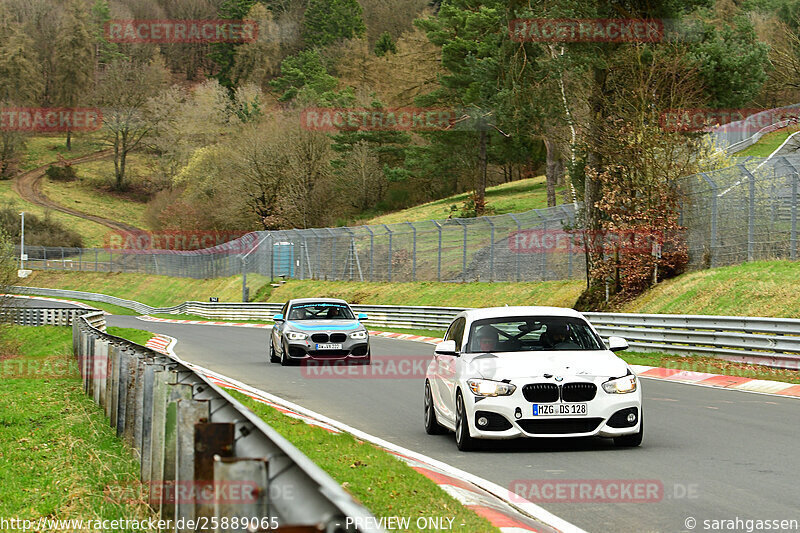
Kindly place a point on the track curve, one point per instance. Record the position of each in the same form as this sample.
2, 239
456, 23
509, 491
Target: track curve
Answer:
717, 453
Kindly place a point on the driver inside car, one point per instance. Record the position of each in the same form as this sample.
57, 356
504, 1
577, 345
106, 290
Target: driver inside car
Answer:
558, 337
488, 340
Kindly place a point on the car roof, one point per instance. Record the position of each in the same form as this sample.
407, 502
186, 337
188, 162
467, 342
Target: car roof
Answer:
317, 300
521, 310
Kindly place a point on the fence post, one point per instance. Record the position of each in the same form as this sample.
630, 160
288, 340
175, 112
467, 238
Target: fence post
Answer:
714, 215
333, 252
751, 216
389, 266
439, 253
413, 251
793, 251
371, 253
491, 248
463, 251
516, 255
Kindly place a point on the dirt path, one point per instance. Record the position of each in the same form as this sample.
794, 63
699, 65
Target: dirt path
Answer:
28, 186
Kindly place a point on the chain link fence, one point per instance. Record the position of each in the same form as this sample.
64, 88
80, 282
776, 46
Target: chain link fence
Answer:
741, 213
736, 136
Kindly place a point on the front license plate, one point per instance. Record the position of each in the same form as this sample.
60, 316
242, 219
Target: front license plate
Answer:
560, 409
328, 347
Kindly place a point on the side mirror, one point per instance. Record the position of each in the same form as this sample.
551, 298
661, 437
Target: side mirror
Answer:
617, 344
446, 348
278, 317
362, 316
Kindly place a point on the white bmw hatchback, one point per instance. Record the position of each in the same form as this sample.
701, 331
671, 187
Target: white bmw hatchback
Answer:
508, 372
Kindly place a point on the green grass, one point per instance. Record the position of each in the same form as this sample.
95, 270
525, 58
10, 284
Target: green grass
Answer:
60, 459
43, 149
711, 365
138, 336
91, 193
768, 143
157, 291
557, 293
380, 481
512, 197
93, 234
760, 288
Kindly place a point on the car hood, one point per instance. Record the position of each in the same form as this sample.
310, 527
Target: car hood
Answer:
515, 365
324, 325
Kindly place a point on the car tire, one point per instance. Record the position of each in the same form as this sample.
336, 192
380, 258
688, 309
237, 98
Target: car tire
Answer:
432, 426
285, 361
631, 441
464, 440
272, 357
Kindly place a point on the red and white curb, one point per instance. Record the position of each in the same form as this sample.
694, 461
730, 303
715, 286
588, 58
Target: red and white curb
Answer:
485, 498
718, 381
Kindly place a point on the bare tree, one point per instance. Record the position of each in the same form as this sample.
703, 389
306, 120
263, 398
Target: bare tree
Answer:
125, 92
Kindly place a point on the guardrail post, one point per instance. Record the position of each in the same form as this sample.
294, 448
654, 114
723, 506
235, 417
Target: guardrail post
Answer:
98, 370
177, 391
248, 478
152, 463
114, 385
189, 413
210, 440
152, 370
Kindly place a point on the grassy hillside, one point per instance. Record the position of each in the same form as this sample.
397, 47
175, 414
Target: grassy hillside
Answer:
763, 288
157, 291
559, 293
512, 197
92, 233
43, 149
768, 143
90, 192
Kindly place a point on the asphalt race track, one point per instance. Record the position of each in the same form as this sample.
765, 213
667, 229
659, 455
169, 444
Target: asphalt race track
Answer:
719, 454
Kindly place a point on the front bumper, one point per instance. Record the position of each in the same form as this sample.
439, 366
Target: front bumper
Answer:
596, 422
352, 349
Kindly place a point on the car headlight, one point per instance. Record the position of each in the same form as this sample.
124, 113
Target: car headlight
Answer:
622, 385
486, 387
358, 335
296, 336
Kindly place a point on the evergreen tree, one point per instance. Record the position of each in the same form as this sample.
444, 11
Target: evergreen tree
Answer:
385, 45
328, 21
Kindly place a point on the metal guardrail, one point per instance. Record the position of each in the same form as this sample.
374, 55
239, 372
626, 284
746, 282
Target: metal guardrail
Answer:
190, 434
759, 340
40, 316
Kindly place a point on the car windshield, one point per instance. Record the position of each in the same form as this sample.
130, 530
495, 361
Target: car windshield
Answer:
532, 333
320, 311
